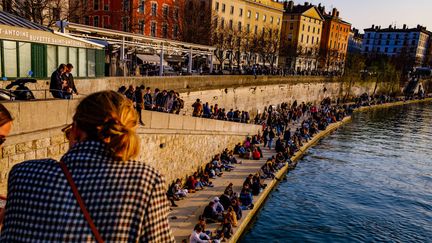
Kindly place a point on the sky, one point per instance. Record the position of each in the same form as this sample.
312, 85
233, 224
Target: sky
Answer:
363, 13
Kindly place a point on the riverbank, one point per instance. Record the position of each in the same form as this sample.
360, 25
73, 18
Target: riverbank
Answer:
259, 201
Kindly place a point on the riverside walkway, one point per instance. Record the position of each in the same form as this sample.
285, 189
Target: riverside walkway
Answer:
185, 216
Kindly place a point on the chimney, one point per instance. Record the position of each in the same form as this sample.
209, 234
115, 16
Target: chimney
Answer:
334, 12
306, 4
373, 26
404, 26
337, 14
390, 26
289, 6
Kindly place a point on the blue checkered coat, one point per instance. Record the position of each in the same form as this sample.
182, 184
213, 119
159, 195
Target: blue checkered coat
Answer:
126, 200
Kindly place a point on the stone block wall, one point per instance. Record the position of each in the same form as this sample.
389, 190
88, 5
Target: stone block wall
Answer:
175, 145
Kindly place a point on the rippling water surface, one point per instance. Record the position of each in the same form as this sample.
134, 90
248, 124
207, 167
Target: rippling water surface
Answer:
370, 181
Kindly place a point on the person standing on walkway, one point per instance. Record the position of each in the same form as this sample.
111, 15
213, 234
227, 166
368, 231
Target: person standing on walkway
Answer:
57, 84
96, 193
139, 100
70, 87
271, 135
5, 128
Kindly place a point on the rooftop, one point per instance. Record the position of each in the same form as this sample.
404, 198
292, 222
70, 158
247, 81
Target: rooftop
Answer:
13, 20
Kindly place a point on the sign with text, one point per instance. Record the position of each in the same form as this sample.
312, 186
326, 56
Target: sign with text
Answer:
37, 36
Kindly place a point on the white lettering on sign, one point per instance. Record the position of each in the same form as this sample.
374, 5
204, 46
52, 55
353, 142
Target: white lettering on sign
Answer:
23, 35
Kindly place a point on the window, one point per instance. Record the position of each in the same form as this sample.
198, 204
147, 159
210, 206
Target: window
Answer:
154, 9
249, 14
313, 31
153, 29
125, 24
240, 26
241, 12
256, 29
309, 28
223, 7
141, 27
73, 59
62, 55
313, 39
232, 10
165, 11
395, 50
82, 55
96, 4
248, 28
86, 20
175, 31
319, 31
271, 19
386, 50
256, 16
96, 21
264, 18
126, 6
302, 37
24, 59
105, 21
222, 23
106, 8
56, 13
165, 30
176, 13
51, 59
231, 24
307, 39
217, 6
278, 21
303, 27
141, 6
91, 63
291, 26
292, 16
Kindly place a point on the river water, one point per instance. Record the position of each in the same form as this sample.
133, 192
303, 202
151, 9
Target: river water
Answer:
370, 181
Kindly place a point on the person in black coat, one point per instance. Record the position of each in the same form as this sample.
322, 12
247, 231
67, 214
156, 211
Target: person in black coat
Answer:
56, 84
69, 89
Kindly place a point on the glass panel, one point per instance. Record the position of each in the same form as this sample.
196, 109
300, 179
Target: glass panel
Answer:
51, 59
24, 59
91, 63
1, 61
62, 55
10, 56
73, 59
82, 62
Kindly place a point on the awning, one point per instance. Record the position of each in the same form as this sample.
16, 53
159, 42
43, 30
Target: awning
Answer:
174, 58
150, 58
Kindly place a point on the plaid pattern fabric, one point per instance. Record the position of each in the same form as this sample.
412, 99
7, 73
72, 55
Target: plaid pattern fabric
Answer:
126, 200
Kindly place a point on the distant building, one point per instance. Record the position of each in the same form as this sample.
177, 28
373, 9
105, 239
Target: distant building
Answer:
158, 18
230, 25
302, 28
334, 41
355, 41
410, 42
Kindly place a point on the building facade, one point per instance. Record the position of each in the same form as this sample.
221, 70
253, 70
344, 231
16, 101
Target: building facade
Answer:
334, 41
156, 18
246, 32
355, 41
411, 43
302, 28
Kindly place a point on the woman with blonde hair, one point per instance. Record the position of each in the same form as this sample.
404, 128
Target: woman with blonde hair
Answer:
96, 193
5, 128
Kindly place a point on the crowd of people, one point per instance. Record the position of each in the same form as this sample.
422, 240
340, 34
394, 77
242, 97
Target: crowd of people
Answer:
215, 112
161, 101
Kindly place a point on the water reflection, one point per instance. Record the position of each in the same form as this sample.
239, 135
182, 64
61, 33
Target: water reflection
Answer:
368, 182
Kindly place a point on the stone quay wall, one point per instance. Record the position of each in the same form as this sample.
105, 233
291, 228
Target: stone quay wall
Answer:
175, 145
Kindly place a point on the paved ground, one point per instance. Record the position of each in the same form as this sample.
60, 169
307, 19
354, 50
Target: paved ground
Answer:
190, 208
